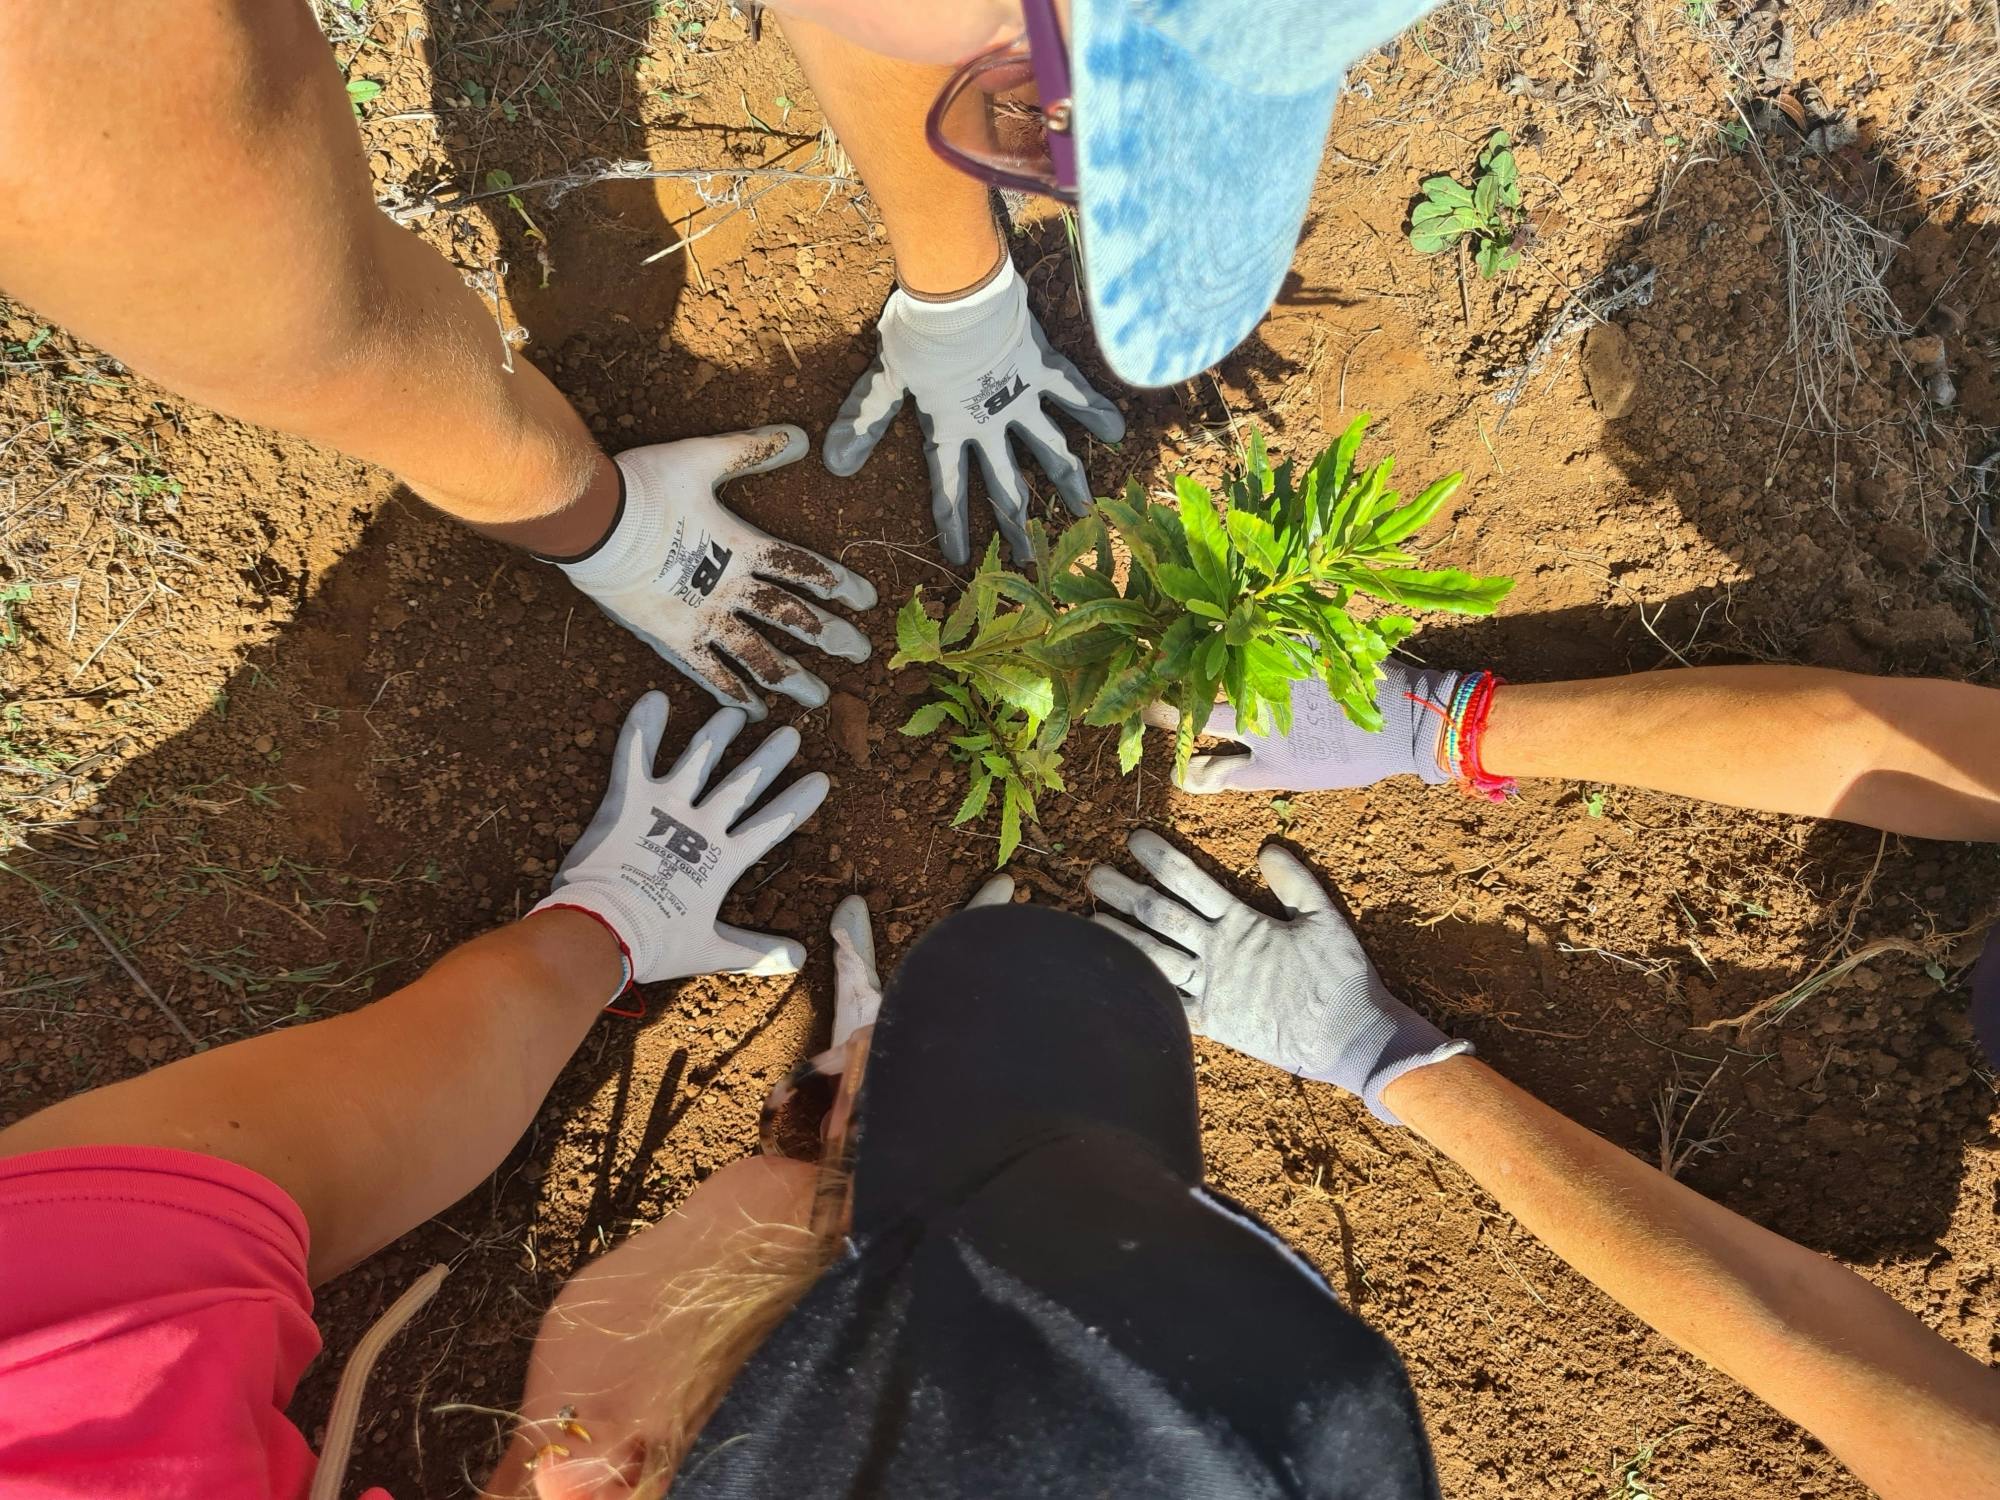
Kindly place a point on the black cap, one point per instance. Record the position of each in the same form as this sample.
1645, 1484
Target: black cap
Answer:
1039, 1297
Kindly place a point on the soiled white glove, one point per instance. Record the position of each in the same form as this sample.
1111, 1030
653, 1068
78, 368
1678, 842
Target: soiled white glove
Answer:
979, 368
1299, 994
693, 581
660, 857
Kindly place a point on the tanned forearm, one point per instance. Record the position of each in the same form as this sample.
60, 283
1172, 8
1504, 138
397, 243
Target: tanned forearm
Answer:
1911, 755
1911, 1415
378, 1119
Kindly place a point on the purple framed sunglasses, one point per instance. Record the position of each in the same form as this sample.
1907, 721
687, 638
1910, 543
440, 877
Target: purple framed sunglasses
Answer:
980, 125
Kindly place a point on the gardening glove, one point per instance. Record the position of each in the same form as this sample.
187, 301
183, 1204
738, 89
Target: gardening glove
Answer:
694, 582
658, 860
1325, 748
1300, 994
979, 367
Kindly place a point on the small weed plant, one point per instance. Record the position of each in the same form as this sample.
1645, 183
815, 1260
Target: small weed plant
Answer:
1488, 212
1238, 600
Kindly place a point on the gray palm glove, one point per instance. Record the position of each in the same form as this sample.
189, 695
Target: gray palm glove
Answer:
979, 368
1299, 994
1326, 749
658, 860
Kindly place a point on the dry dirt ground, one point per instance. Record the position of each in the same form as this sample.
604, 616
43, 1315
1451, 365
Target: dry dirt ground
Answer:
288, 736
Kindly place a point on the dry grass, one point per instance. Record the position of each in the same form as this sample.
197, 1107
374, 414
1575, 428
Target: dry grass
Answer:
1952, 138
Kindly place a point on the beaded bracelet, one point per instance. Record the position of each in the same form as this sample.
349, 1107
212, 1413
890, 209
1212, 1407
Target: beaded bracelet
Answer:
1470, 727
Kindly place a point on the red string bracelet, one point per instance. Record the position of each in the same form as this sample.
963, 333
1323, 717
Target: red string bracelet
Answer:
1478, 780
638, 1011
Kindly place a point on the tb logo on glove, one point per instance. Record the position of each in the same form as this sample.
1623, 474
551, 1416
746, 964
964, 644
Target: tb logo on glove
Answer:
658, 860
695, 583
979, 368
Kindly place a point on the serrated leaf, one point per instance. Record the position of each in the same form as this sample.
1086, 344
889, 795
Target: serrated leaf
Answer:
1080, 650
1131, 744
1010, 682
1208, 546
1436, 588
1097, 613
1124, 694
1254, 539
916, 634
1081, 536
1082, 586
1010, 821
928, 719
1182, 585
976, 797
1395, 525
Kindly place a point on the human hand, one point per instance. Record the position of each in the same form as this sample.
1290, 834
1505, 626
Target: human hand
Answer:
1326, 749
979, 369
1298, 993
662, 853
693, 581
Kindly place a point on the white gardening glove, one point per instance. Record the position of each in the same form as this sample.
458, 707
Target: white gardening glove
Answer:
979, 368
1299, 994
857, 988
658, 860
1325, 748
693, 582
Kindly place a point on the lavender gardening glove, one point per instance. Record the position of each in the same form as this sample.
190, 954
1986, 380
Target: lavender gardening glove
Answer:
979, 369
1299, 994
1325, 748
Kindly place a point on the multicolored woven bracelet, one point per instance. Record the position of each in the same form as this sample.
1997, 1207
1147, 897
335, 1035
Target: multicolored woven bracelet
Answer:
1468, 728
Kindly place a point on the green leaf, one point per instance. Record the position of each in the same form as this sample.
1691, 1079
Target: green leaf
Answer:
975, 798
1010, 820
1440, 588
1076, 651
1398, 524
1505, 172
1428, 243
1083, 585
1125, 693
1206, 609
1255, 540
1488, 260
1210, 655
1445, 189
1182, 585
1428, 212
1131, 744
1486, 198
1080, 537
1023, 686
362, 91
927, 719
916, 634
1208, 547
1096, 613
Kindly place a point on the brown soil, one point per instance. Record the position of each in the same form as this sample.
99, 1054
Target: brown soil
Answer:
290, 735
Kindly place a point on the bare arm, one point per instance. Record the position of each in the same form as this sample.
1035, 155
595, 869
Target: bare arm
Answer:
1913, 755
940, 221
1911, 1415
375, 1120
195, 200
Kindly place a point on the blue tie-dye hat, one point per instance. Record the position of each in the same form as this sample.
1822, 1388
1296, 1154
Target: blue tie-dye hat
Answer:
1199, 126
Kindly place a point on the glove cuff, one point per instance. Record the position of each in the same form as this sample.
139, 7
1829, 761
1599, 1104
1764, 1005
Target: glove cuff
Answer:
632, 551
1393, 1040
1388, 1072
1429, 701
983, 316
624, 917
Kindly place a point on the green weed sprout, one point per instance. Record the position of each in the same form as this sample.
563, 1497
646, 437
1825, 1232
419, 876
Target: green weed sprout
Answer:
1238, 601
1489, 211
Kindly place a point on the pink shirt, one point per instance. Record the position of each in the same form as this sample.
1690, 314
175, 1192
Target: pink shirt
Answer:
154, 1320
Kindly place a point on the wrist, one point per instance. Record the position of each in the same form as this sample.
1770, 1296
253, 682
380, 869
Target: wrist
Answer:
578, 948
941, 268
1424, 1097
